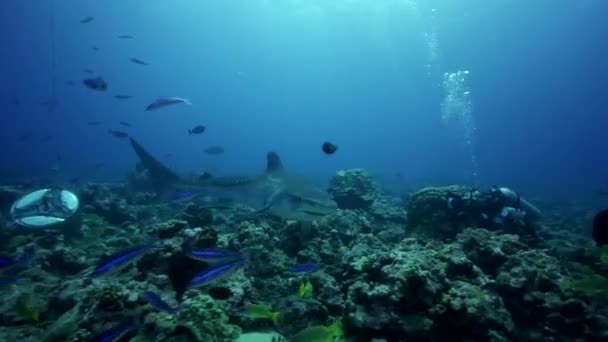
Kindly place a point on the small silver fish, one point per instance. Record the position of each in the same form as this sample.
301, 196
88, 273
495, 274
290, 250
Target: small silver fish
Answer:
166, 101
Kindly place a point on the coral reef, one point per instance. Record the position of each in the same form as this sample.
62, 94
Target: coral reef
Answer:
383, 272
207, 321
353, 189
428, 214
197, 215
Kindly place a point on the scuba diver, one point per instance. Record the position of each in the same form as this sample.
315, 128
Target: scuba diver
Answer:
500, 207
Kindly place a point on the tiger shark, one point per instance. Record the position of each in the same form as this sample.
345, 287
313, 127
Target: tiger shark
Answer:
275, 191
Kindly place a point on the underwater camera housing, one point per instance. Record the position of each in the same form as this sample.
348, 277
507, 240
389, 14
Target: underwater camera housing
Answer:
47, 209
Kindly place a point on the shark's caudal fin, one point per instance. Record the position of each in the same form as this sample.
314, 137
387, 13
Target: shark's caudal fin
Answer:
273, 163
157, 170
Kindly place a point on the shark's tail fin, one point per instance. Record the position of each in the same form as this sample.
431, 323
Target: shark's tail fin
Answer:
273, 163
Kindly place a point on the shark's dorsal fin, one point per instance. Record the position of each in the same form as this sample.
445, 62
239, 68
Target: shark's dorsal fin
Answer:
273, 163
157, 170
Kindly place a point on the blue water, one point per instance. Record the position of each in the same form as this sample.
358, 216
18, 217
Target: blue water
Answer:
287, 75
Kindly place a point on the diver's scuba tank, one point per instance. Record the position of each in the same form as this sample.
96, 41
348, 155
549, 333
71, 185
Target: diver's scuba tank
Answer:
512, 199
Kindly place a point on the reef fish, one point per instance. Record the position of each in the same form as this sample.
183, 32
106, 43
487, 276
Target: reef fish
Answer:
183, 195
304, 268
94, 123
329, 148
121, 258
216, 149
137, 61
122, 97
261, 311
126, 36
124, 123
196, 130
158, 303
213, 254
166, 101
86, 20
214, 272
97, 83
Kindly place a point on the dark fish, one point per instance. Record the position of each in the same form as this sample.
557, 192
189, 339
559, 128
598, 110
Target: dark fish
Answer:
95, 48
126, 36
168, 155
118, 134
137, 61
600, 228
97, 83
122, 97
166, 101
47, 138
94, 123
25, 136
88, 71
196, 130
304, 268
183, 195
86, 20
182, 269
99, 165
214, 272
120, 258
70, 83
329, 148
124, 123
115, 333
208, 254
75, 180
158, 303
216, 149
